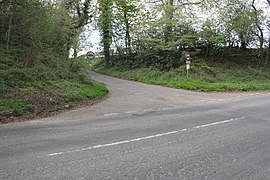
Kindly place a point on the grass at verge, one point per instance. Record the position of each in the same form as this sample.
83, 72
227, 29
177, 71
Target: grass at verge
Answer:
38, 86
49, 96
15, 107
73, 91
218, 79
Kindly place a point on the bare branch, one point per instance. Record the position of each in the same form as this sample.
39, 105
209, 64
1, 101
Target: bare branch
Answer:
190, 3
156, 1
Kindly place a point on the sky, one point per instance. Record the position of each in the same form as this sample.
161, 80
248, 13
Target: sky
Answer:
90, 41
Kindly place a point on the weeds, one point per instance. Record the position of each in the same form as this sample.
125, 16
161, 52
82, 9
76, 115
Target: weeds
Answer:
203, 77
16, 107
82, 91
44, 84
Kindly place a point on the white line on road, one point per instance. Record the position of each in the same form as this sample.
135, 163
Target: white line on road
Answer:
111, 114
147, 110
130, 112
144, 138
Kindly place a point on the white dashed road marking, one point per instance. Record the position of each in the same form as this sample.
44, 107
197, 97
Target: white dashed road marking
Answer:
111, 114
143, 138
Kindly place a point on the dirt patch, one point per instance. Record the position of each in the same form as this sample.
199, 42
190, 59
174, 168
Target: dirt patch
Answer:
46, 105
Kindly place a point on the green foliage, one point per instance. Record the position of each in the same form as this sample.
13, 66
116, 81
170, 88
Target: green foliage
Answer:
239, 22
77, 91
3, 86
15, 76
16, 107
64, 90
41, 31
160, 33
35, 38
105, 24
79, 64
203, 77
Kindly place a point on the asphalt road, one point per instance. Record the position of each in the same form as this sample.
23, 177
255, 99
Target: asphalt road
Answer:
145, 132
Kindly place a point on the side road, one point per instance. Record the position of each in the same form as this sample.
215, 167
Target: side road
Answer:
132, 97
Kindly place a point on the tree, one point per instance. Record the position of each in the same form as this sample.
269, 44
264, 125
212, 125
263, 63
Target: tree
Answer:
42, 29
168, 14
242, 21
211, 36
268, 26
125, 13
105, 24
257, 21
166, 28
79, 12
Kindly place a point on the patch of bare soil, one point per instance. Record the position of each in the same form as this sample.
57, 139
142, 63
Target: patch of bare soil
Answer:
46, 105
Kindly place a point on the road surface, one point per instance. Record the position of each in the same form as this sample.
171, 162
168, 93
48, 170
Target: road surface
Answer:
145, 132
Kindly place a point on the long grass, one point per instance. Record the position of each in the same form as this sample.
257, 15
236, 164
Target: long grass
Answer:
67, 82
201, 77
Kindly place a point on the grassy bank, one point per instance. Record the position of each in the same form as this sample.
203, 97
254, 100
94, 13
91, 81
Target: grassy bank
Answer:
41, 89
203, 76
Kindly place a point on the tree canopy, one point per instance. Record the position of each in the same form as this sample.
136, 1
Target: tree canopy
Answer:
138, 33
157, 32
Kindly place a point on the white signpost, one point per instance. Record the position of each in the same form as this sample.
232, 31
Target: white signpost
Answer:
188, 62
90, 56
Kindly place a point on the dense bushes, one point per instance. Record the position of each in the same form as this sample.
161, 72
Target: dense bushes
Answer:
36, 73
35, 38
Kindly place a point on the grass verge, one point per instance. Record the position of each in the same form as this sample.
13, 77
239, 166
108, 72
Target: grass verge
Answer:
203, 77
43, 99
16, 106
40, 90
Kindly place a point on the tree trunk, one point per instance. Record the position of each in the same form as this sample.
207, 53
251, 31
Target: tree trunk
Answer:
127, 35
268, 51
106, 45
75, 54
106, 22
169, 17
261, 39
243, 44
9, 28
128, 38
268, 54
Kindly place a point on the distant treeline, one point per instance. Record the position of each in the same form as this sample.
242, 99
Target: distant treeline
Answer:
157, 33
